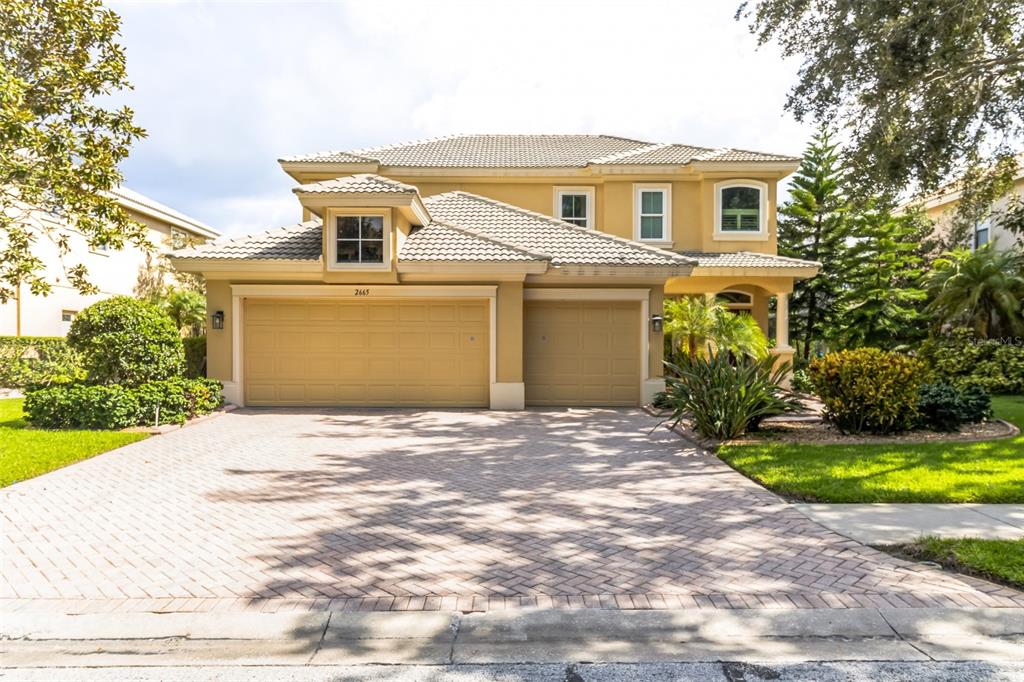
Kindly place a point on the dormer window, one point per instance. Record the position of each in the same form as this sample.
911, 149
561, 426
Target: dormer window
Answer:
741, 210
360, 240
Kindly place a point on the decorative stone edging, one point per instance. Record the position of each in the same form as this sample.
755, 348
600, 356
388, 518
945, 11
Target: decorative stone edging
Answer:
712, 445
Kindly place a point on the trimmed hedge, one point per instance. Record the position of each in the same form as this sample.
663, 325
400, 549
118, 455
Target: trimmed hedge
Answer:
82, 406
963, 360
56, 362
868, 389
195, 356
126, 341
944, 407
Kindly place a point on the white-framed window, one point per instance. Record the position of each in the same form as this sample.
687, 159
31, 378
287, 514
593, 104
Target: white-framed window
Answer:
575, 205
68, 316
652, 213
741, 210
359, 240
982, 232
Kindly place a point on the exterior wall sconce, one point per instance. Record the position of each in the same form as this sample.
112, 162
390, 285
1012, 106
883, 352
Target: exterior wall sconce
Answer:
656, 323
217, 320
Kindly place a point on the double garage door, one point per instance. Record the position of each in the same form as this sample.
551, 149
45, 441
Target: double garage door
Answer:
435, 352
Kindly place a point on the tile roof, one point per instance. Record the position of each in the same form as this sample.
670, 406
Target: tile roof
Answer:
561, 242
533, 151
362, 183
131, 199
746, 259
442, 242
656, 154
303, 241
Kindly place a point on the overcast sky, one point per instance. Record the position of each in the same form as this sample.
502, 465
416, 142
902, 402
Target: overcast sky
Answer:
226, 88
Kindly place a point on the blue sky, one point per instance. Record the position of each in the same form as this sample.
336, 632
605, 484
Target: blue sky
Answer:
226, 88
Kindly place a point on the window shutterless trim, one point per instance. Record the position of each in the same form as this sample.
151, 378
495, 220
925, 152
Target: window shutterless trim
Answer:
332, 239
560, 191
666, 214
761, 233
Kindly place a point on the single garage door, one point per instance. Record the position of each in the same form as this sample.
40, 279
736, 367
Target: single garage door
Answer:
582, 352
366, 353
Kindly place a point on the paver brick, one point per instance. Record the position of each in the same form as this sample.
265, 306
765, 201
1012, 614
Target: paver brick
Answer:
278, 510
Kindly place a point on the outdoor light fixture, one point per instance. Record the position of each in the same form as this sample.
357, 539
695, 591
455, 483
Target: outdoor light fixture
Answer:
656, 321
218, 319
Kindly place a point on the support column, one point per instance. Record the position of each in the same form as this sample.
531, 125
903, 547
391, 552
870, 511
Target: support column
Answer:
782, 320
507, 388
783, 352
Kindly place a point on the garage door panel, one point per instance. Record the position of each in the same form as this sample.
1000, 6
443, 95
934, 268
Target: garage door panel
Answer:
371, 353
582, 352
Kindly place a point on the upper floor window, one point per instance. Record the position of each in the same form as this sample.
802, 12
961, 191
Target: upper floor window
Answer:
741, 209
359, 239
575, 205
651, 213
981, 234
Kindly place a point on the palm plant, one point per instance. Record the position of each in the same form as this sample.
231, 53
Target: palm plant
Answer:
696, 321
982, 289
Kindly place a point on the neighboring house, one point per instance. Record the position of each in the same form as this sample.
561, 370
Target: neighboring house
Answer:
490, 270
941, 208
113, 271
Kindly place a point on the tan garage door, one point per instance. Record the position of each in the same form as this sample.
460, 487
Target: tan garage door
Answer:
372, 353
582, 352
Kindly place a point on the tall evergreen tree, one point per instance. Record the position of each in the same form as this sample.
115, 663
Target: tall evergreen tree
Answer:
883, 298
814, 225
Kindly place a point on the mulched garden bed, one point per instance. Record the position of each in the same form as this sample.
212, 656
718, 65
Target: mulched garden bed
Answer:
821, 433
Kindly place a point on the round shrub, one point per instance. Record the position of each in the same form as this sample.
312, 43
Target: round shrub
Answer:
82, 407
177, 400
868, 389
126, 341
977, 403
941, 407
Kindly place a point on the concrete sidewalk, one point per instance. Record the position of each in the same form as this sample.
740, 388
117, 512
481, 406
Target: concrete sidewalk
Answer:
888, 524
39, 640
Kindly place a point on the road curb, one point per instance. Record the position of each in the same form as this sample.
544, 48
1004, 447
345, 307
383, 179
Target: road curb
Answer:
529, 636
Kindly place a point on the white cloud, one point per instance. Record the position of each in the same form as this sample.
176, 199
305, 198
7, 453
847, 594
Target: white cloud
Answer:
225, 89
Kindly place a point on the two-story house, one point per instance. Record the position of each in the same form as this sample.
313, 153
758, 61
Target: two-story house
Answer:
490, 270
113, 271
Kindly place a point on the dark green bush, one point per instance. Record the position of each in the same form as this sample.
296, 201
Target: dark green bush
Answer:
962, 360
868, 389
82, 407
37, 361
126, 341
800, 382
726, 396
195, 356
944, 407
178, 399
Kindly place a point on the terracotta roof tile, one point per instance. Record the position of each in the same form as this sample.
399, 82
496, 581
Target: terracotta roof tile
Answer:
362, 183
746, 259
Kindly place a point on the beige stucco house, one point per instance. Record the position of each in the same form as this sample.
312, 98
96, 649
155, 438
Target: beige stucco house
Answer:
113, 271
941, 207
490, 270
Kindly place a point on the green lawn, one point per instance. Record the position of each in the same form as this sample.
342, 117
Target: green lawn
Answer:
26, 452
997, 560
991, 471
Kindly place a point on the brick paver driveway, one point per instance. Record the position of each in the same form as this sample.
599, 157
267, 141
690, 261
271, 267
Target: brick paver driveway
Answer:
432, 510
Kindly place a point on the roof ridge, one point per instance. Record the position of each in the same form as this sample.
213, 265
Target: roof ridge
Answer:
710, 153
488, 238
607, 158
387, 147
570, 226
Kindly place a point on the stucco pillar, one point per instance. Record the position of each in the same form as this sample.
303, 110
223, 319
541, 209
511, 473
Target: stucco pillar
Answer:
782, 320
219, 342
507, 389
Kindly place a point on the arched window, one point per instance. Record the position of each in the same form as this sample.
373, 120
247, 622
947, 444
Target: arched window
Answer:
741, 209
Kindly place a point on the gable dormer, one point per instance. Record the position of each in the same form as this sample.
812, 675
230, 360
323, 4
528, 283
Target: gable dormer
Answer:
365, 219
